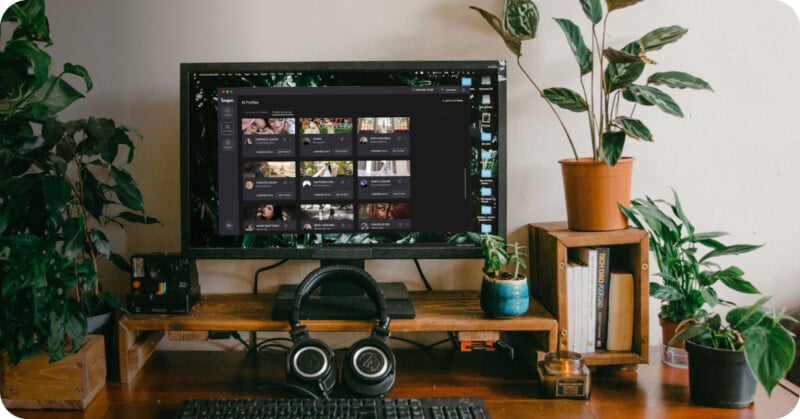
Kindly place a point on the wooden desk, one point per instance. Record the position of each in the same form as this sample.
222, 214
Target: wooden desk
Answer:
509, 388
437, 311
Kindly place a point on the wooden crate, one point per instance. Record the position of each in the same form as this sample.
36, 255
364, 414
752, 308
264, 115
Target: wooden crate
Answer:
71, 383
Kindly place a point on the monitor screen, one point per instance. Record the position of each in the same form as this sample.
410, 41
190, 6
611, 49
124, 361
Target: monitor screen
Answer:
356, 160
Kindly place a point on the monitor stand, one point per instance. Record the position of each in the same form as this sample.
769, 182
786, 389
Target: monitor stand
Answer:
338, 300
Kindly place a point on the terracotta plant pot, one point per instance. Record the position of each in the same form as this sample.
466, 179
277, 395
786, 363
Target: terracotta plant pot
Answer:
592, 191
675, 355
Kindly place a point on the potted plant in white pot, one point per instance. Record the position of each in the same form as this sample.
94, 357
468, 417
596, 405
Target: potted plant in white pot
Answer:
60, 184
608, 78
688, 267
726, 359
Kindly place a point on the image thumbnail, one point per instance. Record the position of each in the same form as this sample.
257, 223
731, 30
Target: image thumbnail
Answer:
384, 168
322, 212
326, 125
268, 212
384, 125
326, 168
384, 211
268, 169
268, 125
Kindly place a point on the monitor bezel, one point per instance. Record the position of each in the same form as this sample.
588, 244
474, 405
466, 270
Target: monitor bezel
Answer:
334, 252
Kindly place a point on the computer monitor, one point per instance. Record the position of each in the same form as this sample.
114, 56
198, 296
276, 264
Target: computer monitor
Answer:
341, 160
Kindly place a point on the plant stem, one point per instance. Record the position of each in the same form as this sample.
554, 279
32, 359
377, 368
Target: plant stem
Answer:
552, 108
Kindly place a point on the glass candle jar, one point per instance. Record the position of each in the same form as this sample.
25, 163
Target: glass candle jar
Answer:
564, 375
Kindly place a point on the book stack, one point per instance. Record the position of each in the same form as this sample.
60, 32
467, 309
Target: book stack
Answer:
599, 302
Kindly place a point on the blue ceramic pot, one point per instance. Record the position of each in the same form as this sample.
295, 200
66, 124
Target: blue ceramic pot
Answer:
504, 297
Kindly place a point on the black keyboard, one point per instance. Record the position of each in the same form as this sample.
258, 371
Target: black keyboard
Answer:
436, 408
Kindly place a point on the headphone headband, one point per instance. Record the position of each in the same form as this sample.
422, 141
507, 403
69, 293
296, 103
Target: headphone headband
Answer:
350, 274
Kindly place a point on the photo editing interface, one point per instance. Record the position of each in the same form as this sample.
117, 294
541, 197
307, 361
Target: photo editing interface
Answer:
349, 159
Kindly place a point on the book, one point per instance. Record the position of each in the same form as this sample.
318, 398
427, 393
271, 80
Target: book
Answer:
603, 275
589, 257
620, 311
572, 305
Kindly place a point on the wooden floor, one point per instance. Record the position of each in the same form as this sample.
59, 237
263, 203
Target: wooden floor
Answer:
509, 388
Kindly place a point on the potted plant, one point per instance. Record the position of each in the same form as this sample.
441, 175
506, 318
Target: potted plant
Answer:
504, 288
608, 77
60, 183
687, 264
726, 359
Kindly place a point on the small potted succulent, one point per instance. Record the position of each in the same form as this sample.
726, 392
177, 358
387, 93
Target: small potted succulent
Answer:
726, 359
504, 288
687, 264
610, 94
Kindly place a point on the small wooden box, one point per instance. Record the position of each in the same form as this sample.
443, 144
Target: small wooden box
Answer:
71, 383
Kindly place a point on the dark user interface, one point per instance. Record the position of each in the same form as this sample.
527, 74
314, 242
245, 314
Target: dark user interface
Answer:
344, 159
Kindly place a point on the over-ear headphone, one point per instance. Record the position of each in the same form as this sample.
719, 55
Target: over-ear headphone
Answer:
369, 366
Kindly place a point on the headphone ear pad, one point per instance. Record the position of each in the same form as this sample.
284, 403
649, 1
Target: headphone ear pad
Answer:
311, 364
369, 368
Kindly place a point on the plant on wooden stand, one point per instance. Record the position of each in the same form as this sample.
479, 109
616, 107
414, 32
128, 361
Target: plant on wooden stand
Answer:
606, 77
60, 183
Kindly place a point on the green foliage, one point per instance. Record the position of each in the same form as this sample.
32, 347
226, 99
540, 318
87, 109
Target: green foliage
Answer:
768, 347
500, 260
686, 259
60, 183
606, 75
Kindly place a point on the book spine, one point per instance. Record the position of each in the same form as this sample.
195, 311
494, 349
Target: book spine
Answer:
603, 275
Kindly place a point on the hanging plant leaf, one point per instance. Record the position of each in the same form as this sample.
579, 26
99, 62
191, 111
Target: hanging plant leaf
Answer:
73, 237
80, 71
583, 55
566, 99
613, 142
648, 96
678, 80
633, 128
619, 4
593, 10
521, 19
126, 189
657, 38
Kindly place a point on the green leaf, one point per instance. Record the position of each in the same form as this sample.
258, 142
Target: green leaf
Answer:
56, 95
126, 189
57, 196
618, 76
583, 55
619, 4
678, 80
735, 249
120, 262
73, 237
648, 96
633, 128
593, 10
137, 218
613, 142
566, 99
36, 57
656, 39
514, 45
664, 292
769, 353
80, 71
520, 19
100, 242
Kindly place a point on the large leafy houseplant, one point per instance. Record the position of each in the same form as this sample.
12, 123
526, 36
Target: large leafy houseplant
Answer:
687, 259
60, 183
606, 75
768, 347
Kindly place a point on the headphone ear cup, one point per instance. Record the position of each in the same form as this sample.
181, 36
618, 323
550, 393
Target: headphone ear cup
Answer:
369, 368
311, 364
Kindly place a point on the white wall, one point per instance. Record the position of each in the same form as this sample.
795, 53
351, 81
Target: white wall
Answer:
733, 158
